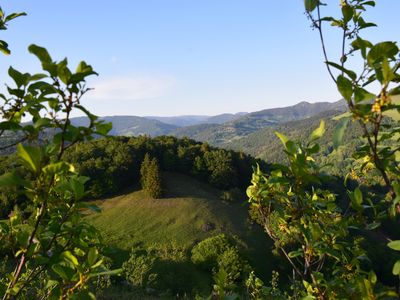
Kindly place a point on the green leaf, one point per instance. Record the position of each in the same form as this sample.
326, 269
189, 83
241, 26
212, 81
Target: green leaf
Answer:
19, 78
372, 226
386, 71
82, 67
92, 256
38, 76
88, 113
9, 125
361, 94
282, 137
309, 297
348, 12
63, 72
358, 196
10, 179
83, 295
31, 156
395, 91
4, 48
333, 253
395, 245
50, 67
319, 132
77, 187
380, 51
64, 272
40, 52
103, 128
372, 277
42, 122
13, 16
85, 69
362, 45
70, 257
110, 272
396, 268
310, 5
97, 264
339, 132
57, 168
314, 149
370, 3
356, 199
296, 253
345, 87
349, 73
22, 238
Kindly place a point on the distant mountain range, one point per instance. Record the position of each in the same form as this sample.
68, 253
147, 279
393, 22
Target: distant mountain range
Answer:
132, 125
252, 133
217, 130
218, 134
182, 121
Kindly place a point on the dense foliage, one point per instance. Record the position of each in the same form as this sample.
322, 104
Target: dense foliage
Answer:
114, 163
323, 242
327, 238
219, 255
47, 247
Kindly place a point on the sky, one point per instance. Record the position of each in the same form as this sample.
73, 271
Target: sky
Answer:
186, 57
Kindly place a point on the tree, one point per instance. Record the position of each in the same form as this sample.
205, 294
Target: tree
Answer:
321, 241
53, 251
151, 178
220, 166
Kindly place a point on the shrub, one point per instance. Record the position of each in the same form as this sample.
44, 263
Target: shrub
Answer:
206, 253
218, 254
137, 269
231, 262
162, 269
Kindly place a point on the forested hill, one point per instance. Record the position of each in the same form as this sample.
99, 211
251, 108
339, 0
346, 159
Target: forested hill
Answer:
131, 125
230, 131
190, 120
264, 143
215, 130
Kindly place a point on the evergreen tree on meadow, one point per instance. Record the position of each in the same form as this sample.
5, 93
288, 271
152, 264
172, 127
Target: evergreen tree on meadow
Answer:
151, 177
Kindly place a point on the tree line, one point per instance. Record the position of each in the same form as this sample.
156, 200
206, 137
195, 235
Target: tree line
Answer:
115, 163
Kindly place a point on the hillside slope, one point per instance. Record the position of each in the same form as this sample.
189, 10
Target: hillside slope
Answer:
219, 135
134, 218
190, 120
132, 125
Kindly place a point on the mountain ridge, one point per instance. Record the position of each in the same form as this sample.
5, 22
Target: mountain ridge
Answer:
249, 123
218, 129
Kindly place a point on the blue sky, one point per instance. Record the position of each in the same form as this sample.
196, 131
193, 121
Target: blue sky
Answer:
174, 57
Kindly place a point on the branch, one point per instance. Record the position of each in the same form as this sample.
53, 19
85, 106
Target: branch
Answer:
321, 36
14, 143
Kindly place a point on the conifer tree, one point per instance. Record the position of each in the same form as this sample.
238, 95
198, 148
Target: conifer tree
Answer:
151, 177
144, 170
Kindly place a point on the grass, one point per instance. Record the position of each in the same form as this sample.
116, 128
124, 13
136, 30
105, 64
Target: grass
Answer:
133, 219
188, 204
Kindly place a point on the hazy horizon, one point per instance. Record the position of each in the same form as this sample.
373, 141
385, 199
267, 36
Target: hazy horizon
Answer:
172, 58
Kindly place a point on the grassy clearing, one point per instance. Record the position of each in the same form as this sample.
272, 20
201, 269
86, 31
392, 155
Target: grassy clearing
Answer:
133, 219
